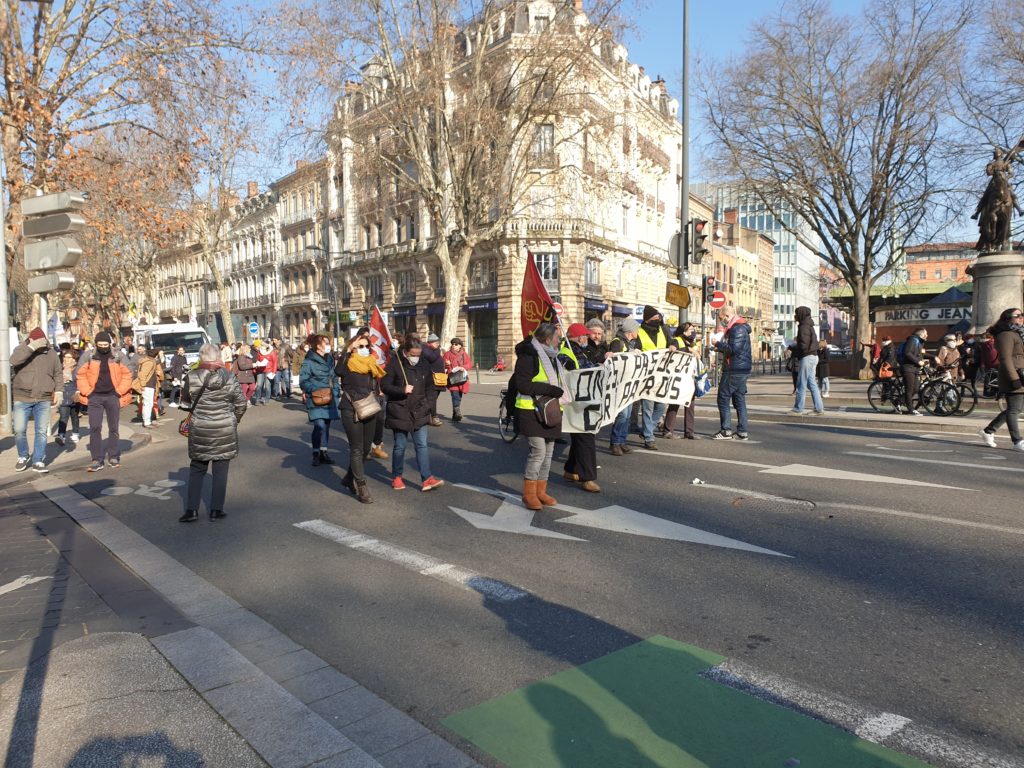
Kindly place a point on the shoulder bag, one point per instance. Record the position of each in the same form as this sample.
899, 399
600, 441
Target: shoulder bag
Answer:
367, 407
323, 396
548, 410
185, 426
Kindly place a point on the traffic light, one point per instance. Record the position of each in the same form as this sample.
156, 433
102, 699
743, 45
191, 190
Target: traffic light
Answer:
707, 288
49, 219
697, 237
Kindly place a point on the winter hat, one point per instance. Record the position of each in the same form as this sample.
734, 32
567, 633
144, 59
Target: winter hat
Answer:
36, 334
576, 330
629, 325
649, 312
455, 341
432, 338
103, 338
595, 322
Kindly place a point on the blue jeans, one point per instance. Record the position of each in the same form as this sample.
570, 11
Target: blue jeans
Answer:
807, 379
651, 413
733, 389
284, 383
620, 429
419, 440
321, 434
456, 398
263, 385
40, 411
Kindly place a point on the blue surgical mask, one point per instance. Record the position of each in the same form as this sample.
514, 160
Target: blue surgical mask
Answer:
363, 351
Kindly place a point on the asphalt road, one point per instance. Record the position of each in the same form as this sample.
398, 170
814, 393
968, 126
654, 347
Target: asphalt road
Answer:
908, 598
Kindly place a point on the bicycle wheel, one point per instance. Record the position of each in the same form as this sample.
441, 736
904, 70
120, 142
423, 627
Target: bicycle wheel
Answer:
968, 398
506, 423
940, 398
880, 396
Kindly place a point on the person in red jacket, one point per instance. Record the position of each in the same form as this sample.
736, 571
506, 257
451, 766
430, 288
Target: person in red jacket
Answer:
457, 359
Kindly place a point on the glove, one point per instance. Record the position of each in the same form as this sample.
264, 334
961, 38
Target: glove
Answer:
36, 344
1017, 385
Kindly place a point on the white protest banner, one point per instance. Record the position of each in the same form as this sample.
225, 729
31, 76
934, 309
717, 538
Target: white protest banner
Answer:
600, 393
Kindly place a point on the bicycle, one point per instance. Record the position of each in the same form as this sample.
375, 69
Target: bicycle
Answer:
508, 427
935, 395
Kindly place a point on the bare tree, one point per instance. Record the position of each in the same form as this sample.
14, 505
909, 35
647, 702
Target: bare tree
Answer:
838, 123
478, 120
76, 67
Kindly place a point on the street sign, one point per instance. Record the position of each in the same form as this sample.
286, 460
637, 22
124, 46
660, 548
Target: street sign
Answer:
254, 329
677, 295
558, 309
53, 225
51, 281
717, 300
51, 254
57, 201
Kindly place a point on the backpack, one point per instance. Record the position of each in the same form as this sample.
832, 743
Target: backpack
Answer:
901, 351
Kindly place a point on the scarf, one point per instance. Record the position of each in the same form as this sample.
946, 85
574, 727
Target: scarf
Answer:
1019, 328
368, 364
552, 369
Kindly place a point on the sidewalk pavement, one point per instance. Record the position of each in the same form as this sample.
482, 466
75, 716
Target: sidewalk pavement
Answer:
113, 652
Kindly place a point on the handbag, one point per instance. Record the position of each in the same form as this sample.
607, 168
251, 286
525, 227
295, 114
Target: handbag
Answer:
791, 364
885, 371
322, 396
365, 407
457, 378
548, 410
185, 425
440, 379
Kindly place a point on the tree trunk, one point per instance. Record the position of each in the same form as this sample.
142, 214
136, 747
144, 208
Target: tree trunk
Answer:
454, 273
225, 303
862, 331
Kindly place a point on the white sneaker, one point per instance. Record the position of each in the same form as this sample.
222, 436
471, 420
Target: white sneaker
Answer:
988, 437
1019, 446
74, 437
173, 405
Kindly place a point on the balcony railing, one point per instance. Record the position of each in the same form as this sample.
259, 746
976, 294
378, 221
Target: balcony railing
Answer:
305, 214
551, 285
594, 289
478, 287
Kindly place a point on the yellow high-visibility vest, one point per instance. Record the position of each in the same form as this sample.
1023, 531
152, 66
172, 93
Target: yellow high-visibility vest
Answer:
647, 343
526, 401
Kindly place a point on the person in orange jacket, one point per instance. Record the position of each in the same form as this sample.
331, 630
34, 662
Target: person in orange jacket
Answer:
104, 386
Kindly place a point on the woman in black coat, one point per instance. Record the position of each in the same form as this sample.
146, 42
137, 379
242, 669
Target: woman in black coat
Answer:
537, 376
407, 383
216, 401
359, 374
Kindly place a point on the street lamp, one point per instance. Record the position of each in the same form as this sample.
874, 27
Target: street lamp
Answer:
334, 288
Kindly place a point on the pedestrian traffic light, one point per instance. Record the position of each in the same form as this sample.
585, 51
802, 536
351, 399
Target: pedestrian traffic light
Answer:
697, 237
49, 219
708, 288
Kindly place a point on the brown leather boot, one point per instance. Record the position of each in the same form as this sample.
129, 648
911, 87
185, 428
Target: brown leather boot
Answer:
590, 486
363, 493
530, 499
378, 452
542, 494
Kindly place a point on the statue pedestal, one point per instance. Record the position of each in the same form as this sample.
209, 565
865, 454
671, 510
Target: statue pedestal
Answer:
997, 286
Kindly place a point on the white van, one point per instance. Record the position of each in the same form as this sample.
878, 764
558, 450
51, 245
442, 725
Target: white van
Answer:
170, 336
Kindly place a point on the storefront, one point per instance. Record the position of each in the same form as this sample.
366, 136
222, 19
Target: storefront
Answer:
938, 319
594, 308
404, 319
435, 318
482, 316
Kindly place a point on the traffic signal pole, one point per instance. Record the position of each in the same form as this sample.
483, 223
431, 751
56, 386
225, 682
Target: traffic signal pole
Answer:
684, 167
6, 425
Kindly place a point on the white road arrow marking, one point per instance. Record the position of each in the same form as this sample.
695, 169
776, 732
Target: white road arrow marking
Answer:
936, 461
624, 520
827, 473
619, 520
24, 581
511, 519
154, 492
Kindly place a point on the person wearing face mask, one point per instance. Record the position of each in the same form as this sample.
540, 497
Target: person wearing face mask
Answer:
686, 341
947, 359
652, 336
457, 359
1008, 333
317, 375
104, 387
538, 374
360, 376
407, 382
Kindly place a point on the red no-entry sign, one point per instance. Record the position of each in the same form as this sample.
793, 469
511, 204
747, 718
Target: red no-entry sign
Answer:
717, 300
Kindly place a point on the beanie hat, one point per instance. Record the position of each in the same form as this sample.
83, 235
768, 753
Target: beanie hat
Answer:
595, 322
455, 341
576, 330
629, 325
433, 338
649, 312
36, 334
103, 338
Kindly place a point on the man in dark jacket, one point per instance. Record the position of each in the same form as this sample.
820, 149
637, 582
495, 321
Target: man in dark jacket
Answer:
806, 354
178, 368
432, 352
626, 340
734, 342
913, 360
596, 350
37, 380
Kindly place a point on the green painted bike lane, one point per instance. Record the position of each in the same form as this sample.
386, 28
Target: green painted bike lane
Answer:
647, 706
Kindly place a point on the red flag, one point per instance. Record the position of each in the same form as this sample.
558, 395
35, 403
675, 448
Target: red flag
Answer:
536, 306
380, 338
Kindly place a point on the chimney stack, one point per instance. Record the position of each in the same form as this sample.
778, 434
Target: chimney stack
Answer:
253, 190
731, 215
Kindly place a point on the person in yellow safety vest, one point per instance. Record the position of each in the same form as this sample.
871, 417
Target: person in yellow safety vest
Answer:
538, 374
652, 336
581, 463
686, 340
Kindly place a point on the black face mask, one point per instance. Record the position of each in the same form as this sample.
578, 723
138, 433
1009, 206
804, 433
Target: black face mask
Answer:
102, 351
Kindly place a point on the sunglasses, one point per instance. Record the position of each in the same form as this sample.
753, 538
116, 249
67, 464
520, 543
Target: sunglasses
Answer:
362, 346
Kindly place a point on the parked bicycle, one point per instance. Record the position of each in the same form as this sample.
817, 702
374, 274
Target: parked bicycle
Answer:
508, 427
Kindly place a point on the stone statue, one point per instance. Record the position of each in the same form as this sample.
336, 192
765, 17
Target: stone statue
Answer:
995, 209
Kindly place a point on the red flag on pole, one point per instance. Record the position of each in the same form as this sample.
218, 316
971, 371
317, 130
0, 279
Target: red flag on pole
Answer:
536, 306
380, 338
